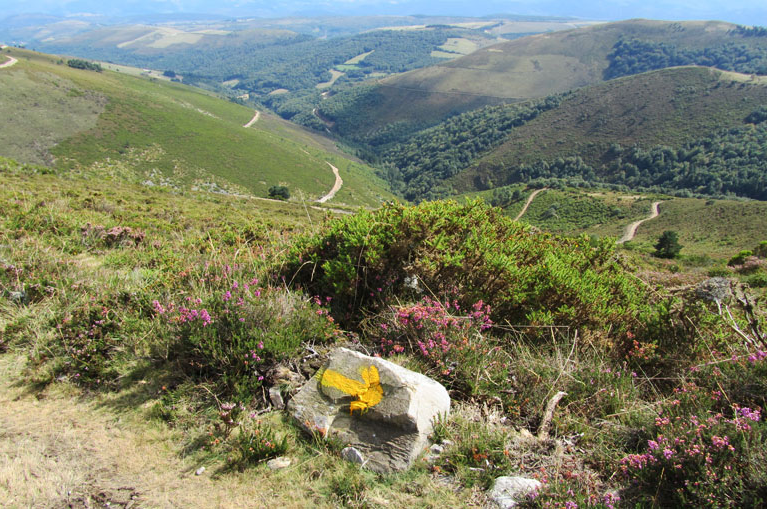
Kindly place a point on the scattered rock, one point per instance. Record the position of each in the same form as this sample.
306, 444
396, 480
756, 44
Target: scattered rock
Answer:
715, 289
199, 471
353, 455
275, 396
278, 463
436, 449
507, 492
381, 409
20, 298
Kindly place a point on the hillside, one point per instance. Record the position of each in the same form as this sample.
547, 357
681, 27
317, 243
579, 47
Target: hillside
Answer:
142, 331
690, 129
541, 65
163, 133
619, 130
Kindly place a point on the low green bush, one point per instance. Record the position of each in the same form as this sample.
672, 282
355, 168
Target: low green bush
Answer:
467, 253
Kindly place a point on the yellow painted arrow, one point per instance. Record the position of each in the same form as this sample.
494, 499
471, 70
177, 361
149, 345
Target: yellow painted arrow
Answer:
368, 392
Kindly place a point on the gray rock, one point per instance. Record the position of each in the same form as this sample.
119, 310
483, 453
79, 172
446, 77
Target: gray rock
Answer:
278, 463
401, 407
507, 492
715, 289
20, 298
353, 455
275, 395
436, 449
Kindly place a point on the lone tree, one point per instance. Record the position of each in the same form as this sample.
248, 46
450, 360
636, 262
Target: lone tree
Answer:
668, 245
279, 192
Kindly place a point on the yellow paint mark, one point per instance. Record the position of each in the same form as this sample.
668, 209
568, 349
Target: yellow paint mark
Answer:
368, 392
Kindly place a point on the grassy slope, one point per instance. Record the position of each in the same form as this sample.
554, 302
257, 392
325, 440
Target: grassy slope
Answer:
718, 229
666, 107
163, 132
530, 67
131, 453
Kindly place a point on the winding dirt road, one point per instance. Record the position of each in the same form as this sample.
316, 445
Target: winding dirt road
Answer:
528, 202
630, 231
9, 63
336, 186
254, 119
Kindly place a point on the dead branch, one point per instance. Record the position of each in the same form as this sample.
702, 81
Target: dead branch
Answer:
543, 431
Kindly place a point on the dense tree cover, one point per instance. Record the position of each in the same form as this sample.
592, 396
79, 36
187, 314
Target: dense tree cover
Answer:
440, 152
297, 62
633, 56
84, 64
751, 31
730, 162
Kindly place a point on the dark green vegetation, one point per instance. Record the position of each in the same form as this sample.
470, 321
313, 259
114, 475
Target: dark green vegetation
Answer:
686, 129
187, 306
531, 67
668, 245
164, 133
635, 56
77, 63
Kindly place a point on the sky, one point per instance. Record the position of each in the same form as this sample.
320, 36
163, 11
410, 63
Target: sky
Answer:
738, 11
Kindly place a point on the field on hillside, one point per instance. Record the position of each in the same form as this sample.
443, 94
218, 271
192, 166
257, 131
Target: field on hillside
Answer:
163, 133
158, 318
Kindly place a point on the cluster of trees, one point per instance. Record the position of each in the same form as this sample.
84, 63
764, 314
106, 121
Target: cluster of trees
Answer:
440, 152
730, 162
293, 62
84, 64
633, 56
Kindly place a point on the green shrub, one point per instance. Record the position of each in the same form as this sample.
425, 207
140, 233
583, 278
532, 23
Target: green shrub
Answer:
740, 258
761, 249
668, 245
757, 280
279, 192
467, 253
230, 326
719, 272
707, 445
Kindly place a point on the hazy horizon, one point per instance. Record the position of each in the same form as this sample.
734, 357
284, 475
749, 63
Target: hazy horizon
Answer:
751, 12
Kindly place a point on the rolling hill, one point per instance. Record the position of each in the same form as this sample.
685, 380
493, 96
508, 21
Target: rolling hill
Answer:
538, 66
163, 133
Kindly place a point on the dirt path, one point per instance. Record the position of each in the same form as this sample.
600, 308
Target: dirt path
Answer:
336, 186
528, 202
254, 119
9, 63
630, 231
58, 449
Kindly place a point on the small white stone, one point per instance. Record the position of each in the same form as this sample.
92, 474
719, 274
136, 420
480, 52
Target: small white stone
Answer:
278, 463
276, 398
353, 455
199, 471
436, 449
508, 491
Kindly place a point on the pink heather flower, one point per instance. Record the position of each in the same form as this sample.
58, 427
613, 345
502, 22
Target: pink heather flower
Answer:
260, 345
652, 445
227, 296
720, 442
667, 453
571, 505
754, 415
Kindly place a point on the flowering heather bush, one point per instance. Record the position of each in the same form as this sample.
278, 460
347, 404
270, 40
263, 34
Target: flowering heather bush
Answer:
88, 340
367, 260
447, 340
237, 325
705, 448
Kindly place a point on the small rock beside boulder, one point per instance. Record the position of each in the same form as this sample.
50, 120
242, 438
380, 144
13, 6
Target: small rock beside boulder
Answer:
507, 491
382, 410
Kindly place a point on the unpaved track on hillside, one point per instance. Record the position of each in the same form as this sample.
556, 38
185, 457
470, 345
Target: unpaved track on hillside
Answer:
336, 186
61, 450
9, 63
254, 119
528, 202
630, 231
